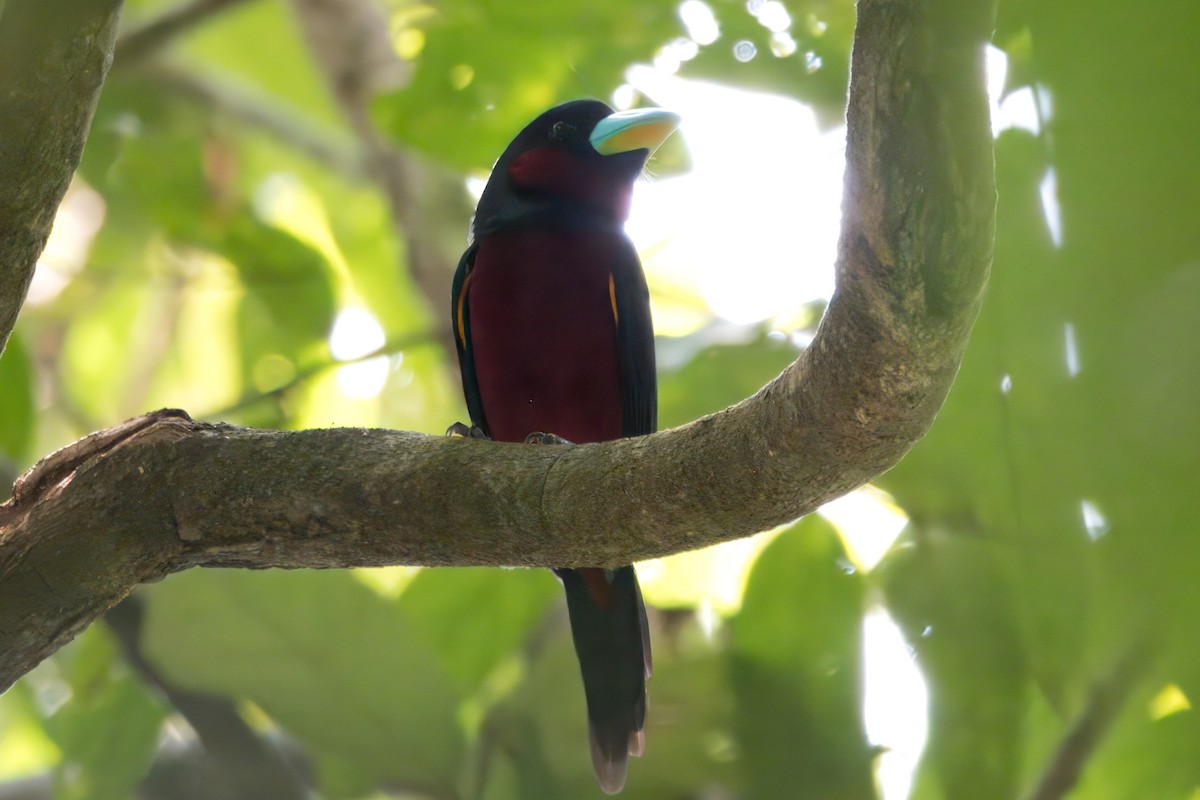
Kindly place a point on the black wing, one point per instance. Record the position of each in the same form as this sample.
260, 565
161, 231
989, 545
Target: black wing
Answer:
460, 314
635, 346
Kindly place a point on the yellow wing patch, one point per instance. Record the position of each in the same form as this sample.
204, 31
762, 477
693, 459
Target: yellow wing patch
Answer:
460, 317
612, 298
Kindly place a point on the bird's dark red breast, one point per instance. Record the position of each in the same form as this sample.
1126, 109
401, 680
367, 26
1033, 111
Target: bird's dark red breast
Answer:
552, 319
544, 339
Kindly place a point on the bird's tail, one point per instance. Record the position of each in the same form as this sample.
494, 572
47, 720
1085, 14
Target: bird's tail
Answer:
608, 624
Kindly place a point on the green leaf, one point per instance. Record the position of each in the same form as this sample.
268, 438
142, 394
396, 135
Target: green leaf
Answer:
231, 47
147, 158
541, 729
330, 660
477, 617
537, 743
105, 347
796, 667
16, 400
25, 747
287, 309
108, 729
689, 720
485, 68
1145, 757
954, 599
108, 741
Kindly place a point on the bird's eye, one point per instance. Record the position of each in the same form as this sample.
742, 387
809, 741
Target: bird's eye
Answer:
562, 132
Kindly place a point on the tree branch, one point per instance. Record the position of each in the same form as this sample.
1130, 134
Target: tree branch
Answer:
54, 55
259, 111
394, 345
164, 493
153, 36
237, 761
1104, 703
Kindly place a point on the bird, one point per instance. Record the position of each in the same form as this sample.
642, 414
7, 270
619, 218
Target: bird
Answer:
551, 319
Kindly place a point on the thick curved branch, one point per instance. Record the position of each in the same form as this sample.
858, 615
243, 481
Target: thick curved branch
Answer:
164, 493
54, 55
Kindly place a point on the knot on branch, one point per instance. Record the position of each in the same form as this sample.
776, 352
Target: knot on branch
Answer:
53, 473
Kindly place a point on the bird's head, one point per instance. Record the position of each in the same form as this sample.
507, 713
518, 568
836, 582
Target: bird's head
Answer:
574, 164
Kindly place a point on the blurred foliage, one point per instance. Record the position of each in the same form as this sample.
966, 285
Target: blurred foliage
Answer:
16, 401
798, 687
1050, 539
224, 222
291, 642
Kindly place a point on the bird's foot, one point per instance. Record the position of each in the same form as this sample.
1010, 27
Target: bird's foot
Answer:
459, 430
537, 437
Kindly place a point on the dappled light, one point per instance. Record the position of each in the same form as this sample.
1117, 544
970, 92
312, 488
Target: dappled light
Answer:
869, 522
1048, 191
75, 226
894, 703
764, 182
1071, 350
356, 333
1094, 521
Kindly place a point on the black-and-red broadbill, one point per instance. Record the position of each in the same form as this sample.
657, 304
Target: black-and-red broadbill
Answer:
552, 319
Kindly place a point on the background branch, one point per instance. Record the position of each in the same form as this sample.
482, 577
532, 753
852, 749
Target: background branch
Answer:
397, 344
153, 36
236, 761
1104, 702
349, 42
262, 112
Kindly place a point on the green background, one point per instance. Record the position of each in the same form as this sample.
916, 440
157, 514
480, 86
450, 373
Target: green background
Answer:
1047, 581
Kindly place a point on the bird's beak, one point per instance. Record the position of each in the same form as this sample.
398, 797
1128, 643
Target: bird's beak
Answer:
636, 129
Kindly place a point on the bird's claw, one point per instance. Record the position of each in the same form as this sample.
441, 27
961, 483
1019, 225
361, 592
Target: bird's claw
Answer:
459, 430
537, 437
